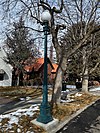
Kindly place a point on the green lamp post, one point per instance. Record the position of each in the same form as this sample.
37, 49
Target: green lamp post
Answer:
45, 112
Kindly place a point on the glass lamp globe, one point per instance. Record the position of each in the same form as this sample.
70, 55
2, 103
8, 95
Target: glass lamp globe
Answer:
46, 16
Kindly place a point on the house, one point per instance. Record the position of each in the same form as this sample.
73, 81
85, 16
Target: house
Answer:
5, 70
36, 70
33, 69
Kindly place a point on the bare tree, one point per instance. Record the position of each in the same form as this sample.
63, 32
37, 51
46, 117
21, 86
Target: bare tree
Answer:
64, 14
74, 12
85, 52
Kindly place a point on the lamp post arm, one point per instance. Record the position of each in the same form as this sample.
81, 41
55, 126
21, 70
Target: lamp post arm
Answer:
44, 4
59, 10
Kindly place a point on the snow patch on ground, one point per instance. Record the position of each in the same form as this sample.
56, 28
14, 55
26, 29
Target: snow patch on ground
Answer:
14, 116
95, 89
78, 94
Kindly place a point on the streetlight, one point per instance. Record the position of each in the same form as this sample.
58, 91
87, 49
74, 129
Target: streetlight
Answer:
45, 112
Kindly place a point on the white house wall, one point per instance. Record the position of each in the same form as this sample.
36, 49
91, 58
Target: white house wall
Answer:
7, 68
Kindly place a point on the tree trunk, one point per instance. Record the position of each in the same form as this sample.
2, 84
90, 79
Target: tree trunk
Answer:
56, 97
85, 81
18, 80
58, 86
85, 72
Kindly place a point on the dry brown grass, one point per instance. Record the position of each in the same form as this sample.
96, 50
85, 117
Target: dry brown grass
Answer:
66, 109
20, 91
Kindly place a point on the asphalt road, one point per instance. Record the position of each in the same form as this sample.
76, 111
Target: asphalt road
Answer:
87, 122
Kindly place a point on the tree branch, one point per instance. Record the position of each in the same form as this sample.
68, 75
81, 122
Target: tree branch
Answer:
31, 12
83, 41
93, 69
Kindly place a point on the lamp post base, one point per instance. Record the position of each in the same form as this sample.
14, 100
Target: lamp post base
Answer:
45, 114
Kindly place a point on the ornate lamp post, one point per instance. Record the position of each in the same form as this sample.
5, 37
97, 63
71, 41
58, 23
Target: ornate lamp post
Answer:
45, 113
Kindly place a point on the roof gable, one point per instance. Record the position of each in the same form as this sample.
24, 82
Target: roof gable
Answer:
37, 65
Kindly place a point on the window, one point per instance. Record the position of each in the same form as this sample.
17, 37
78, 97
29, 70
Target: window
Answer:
1, 76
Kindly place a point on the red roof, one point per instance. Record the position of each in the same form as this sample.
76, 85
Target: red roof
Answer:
37, 65
39, 62
55, 68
